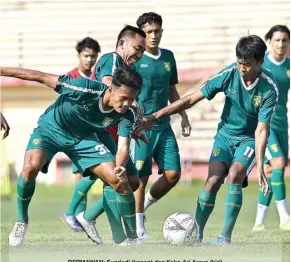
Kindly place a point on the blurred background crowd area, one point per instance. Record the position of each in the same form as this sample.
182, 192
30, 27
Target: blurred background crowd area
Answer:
42, 35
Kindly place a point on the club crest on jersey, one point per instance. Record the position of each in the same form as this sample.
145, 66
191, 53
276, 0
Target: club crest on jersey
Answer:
167, 66
139, 164
107, 121
216, 152
36, 141
274, 148
288, 73
257, 101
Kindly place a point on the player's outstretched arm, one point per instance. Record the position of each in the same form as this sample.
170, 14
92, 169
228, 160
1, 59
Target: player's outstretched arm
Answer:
30, 75
4, 126
180, 105
261, 138
176, 107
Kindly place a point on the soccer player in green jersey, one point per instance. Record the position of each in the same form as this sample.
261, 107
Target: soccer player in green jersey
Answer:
251, 97
276, 157
129, 49
84, 107
4, 126
159, 72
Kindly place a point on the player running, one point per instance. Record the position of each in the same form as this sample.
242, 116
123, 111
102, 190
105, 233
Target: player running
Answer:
251, 97
84, 107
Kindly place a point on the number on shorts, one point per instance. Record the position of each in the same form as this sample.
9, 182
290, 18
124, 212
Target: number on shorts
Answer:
102, 149
249, 151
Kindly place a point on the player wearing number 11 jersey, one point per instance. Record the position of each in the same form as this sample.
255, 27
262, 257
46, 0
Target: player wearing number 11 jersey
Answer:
251, 97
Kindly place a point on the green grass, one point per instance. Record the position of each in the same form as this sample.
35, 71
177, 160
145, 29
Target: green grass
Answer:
50, 240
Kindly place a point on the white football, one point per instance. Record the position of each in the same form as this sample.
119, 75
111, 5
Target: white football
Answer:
180, 229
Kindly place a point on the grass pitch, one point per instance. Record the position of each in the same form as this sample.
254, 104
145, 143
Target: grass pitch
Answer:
49, 240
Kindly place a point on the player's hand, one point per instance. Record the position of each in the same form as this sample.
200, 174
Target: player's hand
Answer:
139, 136
186, 127
139, 111
146, 123
263, 182
120, 172
4, 126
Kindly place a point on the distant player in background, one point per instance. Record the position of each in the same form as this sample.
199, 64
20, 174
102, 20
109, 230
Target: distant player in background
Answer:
129, 49
87, 53
251, 97
159, 71
276, 157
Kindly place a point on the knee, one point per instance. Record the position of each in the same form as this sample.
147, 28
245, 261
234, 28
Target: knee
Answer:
173, 177
278, 162
143, 181
214, 182
30, 170
236, 175
134, 182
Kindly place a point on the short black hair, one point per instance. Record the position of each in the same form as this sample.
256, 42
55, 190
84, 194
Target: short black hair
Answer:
277, 28
251, 46
88, 42
151, 18
125, 75
130, 31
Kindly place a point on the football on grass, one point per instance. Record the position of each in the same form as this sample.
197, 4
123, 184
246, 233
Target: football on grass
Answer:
180, 229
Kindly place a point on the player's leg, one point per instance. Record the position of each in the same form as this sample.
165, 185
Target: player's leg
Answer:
93, 212
279, 151
78, 201
79, 198
140, 163
124, 196
219, 163
139, 195
91, 154
83, 204
264, 201
217, 171
243, 161
108, 200
36, 158
166, 155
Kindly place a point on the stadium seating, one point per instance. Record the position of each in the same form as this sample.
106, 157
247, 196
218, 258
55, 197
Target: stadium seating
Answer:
200, 34
43, 34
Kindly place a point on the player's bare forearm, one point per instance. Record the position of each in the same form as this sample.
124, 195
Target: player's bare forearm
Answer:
123, 151
261, 139
30, 75
174, 96
180, 105
122, 158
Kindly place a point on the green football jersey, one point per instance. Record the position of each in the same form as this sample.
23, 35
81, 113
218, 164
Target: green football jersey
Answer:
244, 106
107, 65
78, 111
281, 73
158, 73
